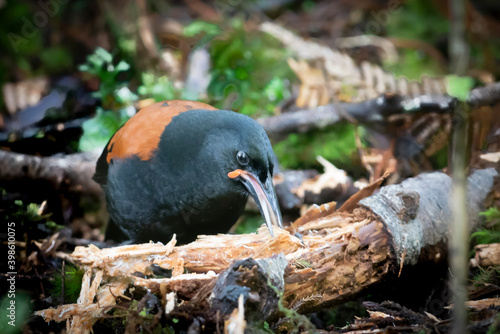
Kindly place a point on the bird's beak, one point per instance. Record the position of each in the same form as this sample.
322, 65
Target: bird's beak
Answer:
264, 196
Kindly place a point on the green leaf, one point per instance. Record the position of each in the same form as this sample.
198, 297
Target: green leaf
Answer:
459, 87
491, 215
122, 66
98, 130
157, 88
198, 27
125, 96
275, 89
336, 144
484, 236
104, 55
83, 68
56, 59
249, 224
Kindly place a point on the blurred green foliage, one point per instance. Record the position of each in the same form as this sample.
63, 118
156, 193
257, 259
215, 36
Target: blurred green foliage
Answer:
336, 144
23, 45
495, 326
249, 71
249, 224
210, 30
490, 231
100, 64
25, 52
492, 216
459, 87
412, 64
416, 20
116, 98
25, 214
23, 309
158, 88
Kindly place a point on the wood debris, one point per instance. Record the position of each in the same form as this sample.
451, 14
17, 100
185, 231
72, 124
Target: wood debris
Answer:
390, 317
486, 255
236, 323
482, 303
85, 312
126, 260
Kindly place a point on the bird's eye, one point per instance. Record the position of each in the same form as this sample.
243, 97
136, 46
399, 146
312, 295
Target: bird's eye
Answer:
242, 158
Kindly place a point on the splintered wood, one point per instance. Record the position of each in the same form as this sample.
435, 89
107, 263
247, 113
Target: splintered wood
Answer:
82, 315
126, 260
486, 255
337, 255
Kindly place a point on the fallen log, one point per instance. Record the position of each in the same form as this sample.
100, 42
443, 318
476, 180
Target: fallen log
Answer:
339, 256
72, 172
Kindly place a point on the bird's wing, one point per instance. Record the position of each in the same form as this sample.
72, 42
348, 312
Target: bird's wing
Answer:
141, 134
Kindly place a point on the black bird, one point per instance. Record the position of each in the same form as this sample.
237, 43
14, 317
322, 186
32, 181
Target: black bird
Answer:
187, 168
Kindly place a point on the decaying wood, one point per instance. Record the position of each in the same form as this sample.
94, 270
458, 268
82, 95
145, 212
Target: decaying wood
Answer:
411, 217
340, 255
85, 312
486, 255
126, 260
236, 323
482, 303
296, 188
286, 183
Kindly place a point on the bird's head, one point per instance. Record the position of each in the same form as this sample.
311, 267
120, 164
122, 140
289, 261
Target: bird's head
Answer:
226, 150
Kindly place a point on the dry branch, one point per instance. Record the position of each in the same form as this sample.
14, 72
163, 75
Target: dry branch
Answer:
340, 255
371, 111
72, 172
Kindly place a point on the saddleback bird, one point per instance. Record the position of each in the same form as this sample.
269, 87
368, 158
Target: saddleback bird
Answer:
185, 167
